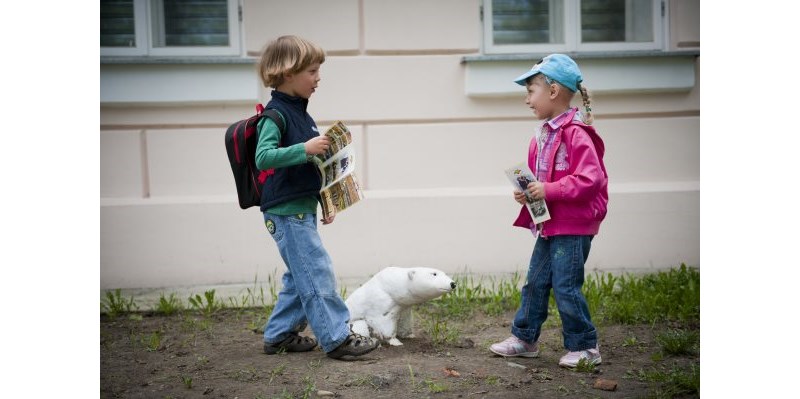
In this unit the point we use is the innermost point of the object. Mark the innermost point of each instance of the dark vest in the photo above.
(294, 181)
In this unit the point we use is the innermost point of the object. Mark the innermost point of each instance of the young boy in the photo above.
(567, 160)
(289, 199)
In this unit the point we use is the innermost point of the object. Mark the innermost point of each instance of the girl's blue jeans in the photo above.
(309, 293)
(557, 263)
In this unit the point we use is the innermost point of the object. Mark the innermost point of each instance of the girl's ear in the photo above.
(554, 90)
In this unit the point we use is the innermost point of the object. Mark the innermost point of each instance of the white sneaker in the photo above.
(571, 359)
(514, 346)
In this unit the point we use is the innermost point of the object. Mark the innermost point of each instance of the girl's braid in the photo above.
(587, 104)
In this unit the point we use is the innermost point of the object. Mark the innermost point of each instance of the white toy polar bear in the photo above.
(383, 304)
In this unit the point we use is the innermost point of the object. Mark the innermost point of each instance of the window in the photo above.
(169, 27)
(545, 26)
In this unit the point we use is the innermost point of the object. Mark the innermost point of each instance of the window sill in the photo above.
(581, 55)
(175, 60)
(617, 72)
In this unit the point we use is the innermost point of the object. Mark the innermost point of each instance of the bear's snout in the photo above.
(453, 284)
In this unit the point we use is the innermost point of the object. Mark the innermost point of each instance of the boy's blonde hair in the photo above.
(586, 116)
(287, 54)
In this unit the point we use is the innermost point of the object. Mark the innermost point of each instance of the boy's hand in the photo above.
(519, 196)
(329, 220)
(536, 189)
(317, 145)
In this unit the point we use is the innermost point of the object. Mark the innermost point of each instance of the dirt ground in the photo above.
(220, 356)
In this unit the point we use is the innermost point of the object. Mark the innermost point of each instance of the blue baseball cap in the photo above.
(558, 67)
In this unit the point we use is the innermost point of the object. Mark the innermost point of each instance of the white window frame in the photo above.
(144, 13)
(572, 34)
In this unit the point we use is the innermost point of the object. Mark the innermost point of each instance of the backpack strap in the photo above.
(276, 117)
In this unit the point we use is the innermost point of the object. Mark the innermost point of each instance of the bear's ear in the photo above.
(411, 274)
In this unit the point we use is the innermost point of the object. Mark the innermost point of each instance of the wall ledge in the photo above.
(629, 72)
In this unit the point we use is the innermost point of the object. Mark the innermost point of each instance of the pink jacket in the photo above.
(576, 190)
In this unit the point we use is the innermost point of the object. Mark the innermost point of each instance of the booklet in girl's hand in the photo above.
(520, 175)
(340, 189)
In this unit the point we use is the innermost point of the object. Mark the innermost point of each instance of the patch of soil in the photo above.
(191, 356)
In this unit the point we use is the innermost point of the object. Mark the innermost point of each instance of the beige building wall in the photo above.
(433, 133)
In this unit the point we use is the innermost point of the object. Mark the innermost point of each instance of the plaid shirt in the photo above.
(544, 142)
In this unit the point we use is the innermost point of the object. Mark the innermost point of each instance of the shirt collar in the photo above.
(559, 120)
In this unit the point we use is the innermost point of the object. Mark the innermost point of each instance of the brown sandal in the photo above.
(353, 345)
(292, 343)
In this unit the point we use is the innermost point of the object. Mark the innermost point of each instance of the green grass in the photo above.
(207, 307)
(679, 342)
(115, 305)
(672, 382)
(672, 295)
(187, 381)
(169, 306)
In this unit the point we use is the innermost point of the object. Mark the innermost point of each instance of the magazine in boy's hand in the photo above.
(340, 189)
(520, 175)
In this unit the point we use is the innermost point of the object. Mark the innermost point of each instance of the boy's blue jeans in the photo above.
(309, 286)
(557, 263)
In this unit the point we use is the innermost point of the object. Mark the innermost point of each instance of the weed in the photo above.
(278, 370)
(585, 366)
(153, 341)
(257, 322)
(285, 395)
(435, 387)
(492, 380)
(439, 331)
(314, 365)
(168, 306)
(114, 305)
(308, 387)
(343, 290)
(187, 381)
(247, 375)
(630, 341)
(679, 342)
(207, 307)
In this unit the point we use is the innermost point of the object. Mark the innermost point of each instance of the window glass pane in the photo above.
(117, 28)
(527, 21)
(191, 23)
(616, 21)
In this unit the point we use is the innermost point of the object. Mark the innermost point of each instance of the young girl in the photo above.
(289, 202)
(567, 159)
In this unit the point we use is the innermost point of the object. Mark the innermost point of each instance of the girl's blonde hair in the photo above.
(586, 116)
(287, 54)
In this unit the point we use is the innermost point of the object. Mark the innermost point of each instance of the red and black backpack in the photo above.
(241, 140)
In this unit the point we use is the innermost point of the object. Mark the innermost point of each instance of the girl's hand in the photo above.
(536, 189)
(519, 196)
(317, 145)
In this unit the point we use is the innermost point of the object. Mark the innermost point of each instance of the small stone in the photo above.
(606, 385)
(325, 394)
